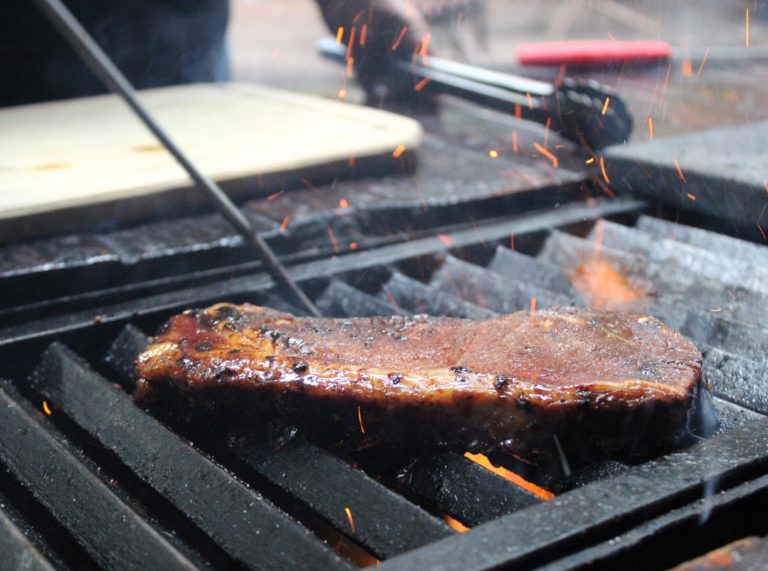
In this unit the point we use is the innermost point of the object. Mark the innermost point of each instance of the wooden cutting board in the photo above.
(61, 161)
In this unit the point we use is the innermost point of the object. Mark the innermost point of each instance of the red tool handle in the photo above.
(592, 52)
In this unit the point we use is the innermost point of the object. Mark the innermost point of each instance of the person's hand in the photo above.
(380, 33)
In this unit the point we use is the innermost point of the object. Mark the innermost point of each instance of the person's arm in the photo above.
(383, 30)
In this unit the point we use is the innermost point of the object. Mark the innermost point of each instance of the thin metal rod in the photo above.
(103, 67)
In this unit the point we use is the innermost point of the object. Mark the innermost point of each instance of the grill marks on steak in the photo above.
(608, 383)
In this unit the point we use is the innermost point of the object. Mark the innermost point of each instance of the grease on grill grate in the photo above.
(237, 500)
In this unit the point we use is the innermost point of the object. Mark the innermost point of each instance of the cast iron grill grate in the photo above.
(99, 483)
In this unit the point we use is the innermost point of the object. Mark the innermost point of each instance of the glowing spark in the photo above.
(530, 100)
(46, 408)
(687, 67)
(762, 232)
(691, 196)
(547, 154)
(533, 307)
(398, 151)
(602, 169)
(679, 171)
(360, 419)
(421, 84)
(424, 49)
(515, 144)
(605, 106)
(547, 125)
(747, 25)
(332, 238)
(363, 34)
(339, 34)
(455, 524)
(512, 242)
(342, 93)
(650, 127)
(351, 521)
(483, 461)
(445, 239)
(344, 203)
(703, 61)
(351, 42)
(518, 111)
(284, 224)
(399, 39)
(353, 246)
(493, 153)
(590, 160)
(350, 65)
(272, 197)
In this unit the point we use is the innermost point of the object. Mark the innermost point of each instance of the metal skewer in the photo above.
(101, 65)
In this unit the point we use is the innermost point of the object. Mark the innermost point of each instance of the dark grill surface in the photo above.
(90, 480)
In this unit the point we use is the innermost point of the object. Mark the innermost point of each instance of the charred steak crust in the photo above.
(604, 382)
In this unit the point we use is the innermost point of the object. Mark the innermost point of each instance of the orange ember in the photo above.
(605, 286)
(483, 461)
(351, 520)
(398, 151)
(46, 408)
(547, 154)
(455, 524)
(360, 419)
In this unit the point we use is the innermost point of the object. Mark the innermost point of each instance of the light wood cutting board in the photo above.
(61, 161)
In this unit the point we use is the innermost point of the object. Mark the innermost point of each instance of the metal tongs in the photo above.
(580, 110)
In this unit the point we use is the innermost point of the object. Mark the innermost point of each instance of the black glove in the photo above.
(382, 32)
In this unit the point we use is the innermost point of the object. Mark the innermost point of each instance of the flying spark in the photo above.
(650, 128)
(547, 154)
(747, 26)
(339, 34)
(493, 153)
(605, 106)
(351, 520)
(679, 171)
(46, 408)
(360, 419)
(400, 37)
(398, 151)
(284, 224)
(602, 169)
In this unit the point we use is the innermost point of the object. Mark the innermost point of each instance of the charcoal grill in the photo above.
(92, 481)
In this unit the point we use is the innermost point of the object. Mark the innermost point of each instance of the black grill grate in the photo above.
(143, 491)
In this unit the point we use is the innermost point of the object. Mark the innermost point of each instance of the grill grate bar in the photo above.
(463, 489)
(665, 541)
(704, 239)
(16, 551)
(516, 266)
(67, 488)
(412, 296)
(600, 511)
(490, 290)
(384, 522)
(209, 496)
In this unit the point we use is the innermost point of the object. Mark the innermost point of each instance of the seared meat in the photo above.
(603, 382)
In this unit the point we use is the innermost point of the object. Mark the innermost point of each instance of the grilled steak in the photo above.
(603, 382)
